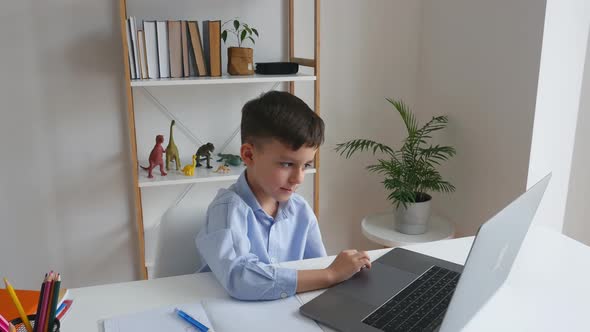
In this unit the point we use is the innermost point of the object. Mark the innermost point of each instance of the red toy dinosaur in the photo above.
(156, 157)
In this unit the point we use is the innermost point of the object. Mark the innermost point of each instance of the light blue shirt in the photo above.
(240, 241)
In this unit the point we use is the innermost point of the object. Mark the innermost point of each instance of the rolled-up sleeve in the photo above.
(225, 247)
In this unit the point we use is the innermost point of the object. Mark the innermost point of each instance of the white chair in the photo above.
(176, 252)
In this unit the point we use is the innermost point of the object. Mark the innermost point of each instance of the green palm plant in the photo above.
(410, 172)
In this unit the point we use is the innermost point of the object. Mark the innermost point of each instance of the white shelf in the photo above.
(202, 174)
(224, 79)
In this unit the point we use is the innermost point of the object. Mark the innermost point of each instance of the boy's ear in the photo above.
(247, 153)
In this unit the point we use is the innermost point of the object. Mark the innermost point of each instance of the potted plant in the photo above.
(240, 60)
(410, 172)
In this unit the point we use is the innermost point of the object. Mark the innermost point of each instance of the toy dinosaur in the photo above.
(189, 170)
(155, 158)
(222, 169)
(172, 151)
(230, 159)
(204, 152)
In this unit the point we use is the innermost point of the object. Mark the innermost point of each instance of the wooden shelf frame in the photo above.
(130, 84)
(315, 64)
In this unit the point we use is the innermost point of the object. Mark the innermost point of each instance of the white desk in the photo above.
(535, 300)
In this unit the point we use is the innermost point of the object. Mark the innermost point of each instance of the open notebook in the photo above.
(220, 315)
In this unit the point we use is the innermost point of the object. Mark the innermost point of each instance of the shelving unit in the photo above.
(201, 175)
(224, 79)
(140, 179)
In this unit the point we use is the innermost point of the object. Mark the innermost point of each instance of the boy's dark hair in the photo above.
(283, 116)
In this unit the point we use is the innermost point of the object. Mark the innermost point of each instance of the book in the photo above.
(214, 313)
(151, 49)
(133, 28)
(130, 51)
(163, 56)
(192, 65)
(175, 49)
(215, 48)
(206, 52)
(27, 298)
(197, 49)
(143, 69)
(184, 41)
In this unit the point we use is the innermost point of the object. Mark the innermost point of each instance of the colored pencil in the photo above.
(39, 302)
(41, 320)
(64, 307)
(11, 328)
(19, 307)
(55, 298)
(3, 324)
(49, 301)
(60, 308)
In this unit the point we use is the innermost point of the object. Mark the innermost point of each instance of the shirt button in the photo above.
(283, 295)
(272, 260)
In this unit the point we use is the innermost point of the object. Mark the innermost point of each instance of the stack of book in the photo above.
(173, 49)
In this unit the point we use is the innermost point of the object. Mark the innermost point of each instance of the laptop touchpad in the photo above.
(377, 285)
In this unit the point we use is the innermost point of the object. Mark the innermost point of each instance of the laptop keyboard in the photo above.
(420, 306)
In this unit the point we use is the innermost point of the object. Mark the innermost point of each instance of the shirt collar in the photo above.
(246, 193)
(243, 189)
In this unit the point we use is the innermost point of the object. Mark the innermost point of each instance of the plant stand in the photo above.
(380, 229)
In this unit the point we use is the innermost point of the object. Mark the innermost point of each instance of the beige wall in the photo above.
(479, 65)
(369, 52)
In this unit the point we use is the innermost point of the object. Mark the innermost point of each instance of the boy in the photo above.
(259, 220)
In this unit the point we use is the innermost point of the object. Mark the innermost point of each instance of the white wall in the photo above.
(576, 223)
(64, 188)
(558, 101)
(479, 65)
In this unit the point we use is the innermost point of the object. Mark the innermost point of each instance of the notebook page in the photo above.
(160, 319)
(261, 316)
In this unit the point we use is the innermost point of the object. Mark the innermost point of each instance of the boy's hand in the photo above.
(347, 264)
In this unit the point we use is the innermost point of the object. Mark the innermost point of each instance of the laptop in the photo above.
(408, 291)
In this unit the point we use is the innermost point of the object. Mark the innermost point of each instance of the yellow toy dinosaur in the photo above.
(172, 151)
(189, 170)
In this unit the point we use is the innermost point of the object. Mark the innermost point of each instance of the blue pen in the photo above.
(191, 320)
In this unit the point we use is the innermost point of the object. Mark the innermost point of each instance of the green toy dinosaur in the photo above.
(204, 153)
(172, 151)
(230, 159)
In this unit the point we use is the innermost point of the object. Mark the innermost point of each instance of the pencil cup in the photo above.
(20, 327)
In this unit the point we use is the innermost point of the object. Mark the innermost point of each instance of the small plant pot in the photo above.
(240, 61)
(414, 218)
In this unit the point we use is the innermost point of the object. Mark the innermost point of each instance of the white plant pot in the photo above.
(414, 218)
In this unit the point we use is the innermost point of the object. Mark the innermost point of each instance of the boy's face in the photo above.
(275, 170)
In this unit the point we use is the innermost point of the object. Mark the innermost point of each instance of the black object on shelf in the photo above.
(276, 68)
